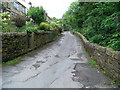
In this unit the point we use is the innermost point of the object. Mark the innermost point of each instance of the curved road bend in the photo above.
(63, 64)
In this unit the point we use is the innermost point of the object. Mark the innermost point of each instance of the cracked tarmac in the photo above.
(62, 64)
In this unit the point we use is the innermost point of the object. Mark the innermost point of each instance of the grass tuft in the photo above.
(92, 63)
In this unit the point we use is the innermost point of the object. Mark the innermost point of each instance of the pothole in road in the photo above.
(40, 62)
(47, 57)
(75, 79)
(75, 56)
(57, 56)
(84, 74)
(59, 44)
(37, 64)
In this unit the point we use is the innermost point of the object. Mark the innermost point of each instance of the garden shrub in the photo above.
(28, 24)
(8, 28)
(32, 29)
(53, 25)
(44, 26)
(29, 27)
(20, 21)
(5, 15)
(6, 23)
(59, 25)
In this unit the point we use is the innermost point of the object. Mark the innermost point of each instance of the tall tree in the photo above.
(37, 14)
(98, 21)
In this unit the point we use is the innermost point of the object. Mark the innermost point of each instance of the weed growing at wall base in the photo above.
(12, 62)
(93, 64)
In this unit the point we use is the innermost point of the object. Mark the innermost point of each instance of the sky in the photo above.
(54, 8)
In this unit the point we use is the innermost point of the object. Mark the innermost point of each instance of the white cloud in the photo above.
(54, 8)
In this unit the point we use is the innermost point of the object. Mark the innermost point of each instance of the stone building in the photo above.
(15, 7)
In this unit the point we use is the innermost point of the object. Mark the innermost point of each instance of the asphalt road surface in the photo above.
(61, 64)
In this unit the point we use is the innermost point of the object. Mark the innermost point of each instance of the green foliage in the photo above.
(99, 22)
(56, 23)
(6, 23)
(49, 26)
(20, 21)
(5, 15)
(12, 62)
(8, 28)
(44, 26)
(92, 63)
(54, 19)
(115, 44)
(97, 38)
(30, 24)
(37, 14)
(115, 41)
(30, 27)
(112, 23)
(53, 25)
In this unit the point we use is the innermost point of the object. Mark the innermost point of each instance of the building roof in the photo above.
(22, 2)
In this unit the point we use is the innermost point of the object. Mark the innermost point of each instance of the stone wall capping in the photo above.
(117, 55)
(82, 37)
(110, 52)
(0, 34)
(91, 45)
(14, 34)
(0, 50)
(100, 48)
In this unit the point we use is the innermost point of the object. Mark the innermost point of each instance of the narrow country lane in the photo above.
(62, 64)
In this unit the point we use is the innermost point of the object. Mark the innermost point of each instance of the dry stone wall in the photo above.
(17, 43)
(106, 57)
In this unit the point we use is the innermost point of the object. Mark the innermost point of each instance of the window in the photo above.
(23, 10)
(8, 5)
(0, 1)
(16, 6)
(7, 0)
